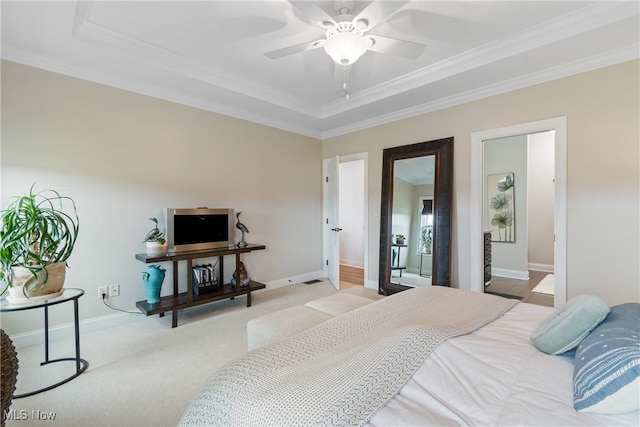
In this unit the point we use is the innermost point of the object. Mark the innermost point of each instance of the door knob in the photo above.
(336, 229)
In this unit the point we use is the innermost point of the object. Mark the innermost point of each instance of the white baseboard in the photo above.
(510, 274)
(66, 330)
(296, 279)
(371, 284)
(352, 263)
(36, 337)
(547, 268)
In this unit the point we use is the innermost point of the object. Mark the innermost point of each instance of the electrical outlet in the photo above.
(103, 290)
(114, 290)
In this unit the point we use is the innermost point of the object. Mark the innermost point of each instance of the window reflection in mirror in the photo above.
(412, 221)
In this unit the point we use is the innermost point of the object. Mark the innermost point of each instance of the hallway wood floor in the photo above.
(352, 275)
(521, 288)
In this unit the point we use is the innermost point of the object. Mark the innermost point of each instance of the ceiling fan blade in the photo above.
(378, 11)
(291, 50)
(403, 48)
(313, 11)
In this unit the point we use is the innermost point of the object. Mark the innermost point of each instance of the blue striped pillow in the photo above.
(606, 377)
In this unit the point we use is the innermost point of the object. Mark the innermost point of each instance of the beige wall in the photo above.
(403, 207)
(425, 190)
(603, 119)
(124, 157)
(503, 155)
(541, 200)
(351, 215)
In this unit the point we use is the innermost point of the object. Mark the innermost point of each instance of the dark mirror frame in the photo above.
(442, 149)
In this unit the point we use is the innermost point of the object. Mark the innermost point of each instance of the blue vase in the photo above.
(153, 278)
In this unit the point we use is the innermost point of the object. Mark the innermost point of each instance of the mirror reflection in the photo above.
(412, 220)
(415, 216)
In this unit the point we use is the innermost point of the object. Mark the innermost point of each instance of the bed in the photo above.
(427, 356)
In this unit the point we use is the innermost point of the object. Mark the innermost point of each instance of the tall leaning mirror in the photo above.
(415, 216)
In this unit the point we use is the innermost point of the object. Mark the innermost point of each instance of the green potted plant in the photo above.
(37, 234)
(155, 240)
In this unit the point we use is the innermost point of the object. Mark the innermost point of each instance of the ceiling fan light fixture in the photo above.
(346, 47)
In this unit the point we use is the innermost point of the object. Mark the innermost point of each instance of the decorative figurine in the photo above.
(241, 276)
(155, 240)
(240, 226)
(153, 233)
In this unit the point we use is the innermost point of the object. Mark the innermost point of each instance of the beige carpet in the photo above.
(411, 279)
(145, 374)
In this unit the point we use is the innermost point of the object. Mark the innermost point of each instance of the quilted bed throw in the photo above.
(345, 369)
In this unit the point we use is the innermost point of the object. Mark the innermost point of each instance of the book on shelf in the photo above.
(205, 278)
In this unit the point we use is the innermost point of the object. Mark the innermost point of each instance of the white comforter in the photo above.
(493, 377)
(343, 370)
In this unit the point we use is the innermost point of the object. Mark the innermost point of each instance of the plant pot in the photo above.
(37, 289)
(156, 249)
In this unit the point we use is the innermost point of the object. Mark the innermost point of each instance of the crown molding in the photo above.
(154, 91)
(587, 18)
(86, 30)
(624, 54)
(560, 28)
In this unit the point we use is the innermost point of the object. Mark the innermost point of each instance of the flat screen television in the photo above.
(199, 229)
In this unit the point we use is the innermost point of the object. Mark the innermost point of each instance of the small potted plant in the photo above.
(400, 239)
(155, 240)
(37, 234)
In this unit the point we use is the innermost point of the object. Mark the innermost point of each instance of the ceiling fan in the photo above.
(347, 37)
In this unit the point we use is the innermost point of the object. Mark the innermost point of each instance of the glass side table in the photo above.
(69, 294)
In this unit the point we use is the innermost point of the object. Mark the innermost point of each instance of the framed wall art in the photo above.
(500, 191)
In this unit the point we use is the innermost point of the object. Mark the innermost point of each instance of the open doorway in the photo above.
(559, 125)
(352, 221)
(518, 215)
(345, 221)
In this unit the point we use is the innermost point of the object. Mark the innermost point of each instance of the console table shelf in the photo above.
(181, 300)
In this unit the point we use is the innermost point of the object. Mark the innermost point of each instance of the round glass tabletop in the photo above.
(67, 294)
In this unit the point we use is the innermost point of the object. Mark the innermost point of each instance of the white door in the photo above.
(331, 220)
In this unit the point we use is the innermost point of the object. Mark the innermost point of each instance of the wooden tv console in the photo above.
(181, 300)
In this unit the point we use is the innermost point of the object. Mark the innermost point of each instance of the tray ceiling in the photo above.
(210, 54)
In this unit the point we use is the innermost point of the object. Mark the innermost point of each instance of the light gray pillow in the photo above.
(564, 329)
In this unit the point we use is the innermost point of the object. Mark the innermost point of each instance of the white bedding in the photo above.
(341, 371)
(494, 377)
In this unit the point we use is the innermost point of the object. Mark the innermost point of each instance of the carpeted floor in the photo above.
(411, 279)
(146, 373)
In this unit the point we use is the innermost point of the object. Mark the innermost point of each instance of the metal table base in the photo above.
(69, 294)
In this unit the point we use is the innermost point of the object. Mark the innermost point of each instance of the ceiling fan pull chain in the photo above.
(344, 84)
